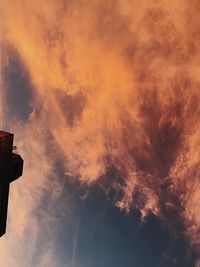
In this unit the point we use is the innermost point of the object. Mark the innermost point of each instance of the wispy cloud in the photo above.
(115, 84)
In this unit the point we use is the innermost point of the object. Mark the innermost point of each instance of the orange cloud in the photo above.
(116, 83)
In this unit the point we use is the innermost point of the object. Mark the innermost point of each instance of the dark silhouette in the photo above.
(11, 167)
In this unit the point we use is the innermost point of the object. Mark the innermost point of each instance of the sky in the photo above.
(103, 99)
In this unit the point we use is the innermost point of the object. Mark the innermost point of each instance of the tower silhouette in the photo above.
(11, 168)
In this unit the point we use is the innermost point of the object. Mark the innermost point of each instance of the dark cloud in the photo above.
(71, 106)
(17, 86)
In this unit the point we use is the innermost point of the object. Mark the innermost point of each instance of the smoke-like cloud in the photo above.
(116, 86)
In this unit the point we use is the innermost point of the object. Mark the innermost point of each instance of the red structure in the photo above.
(11, 168)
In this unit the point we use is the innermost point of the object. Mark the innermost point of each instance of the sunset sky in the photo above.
(103, 99)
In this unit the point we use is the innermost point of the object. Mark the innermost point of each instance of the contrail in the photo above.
(75, 242)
